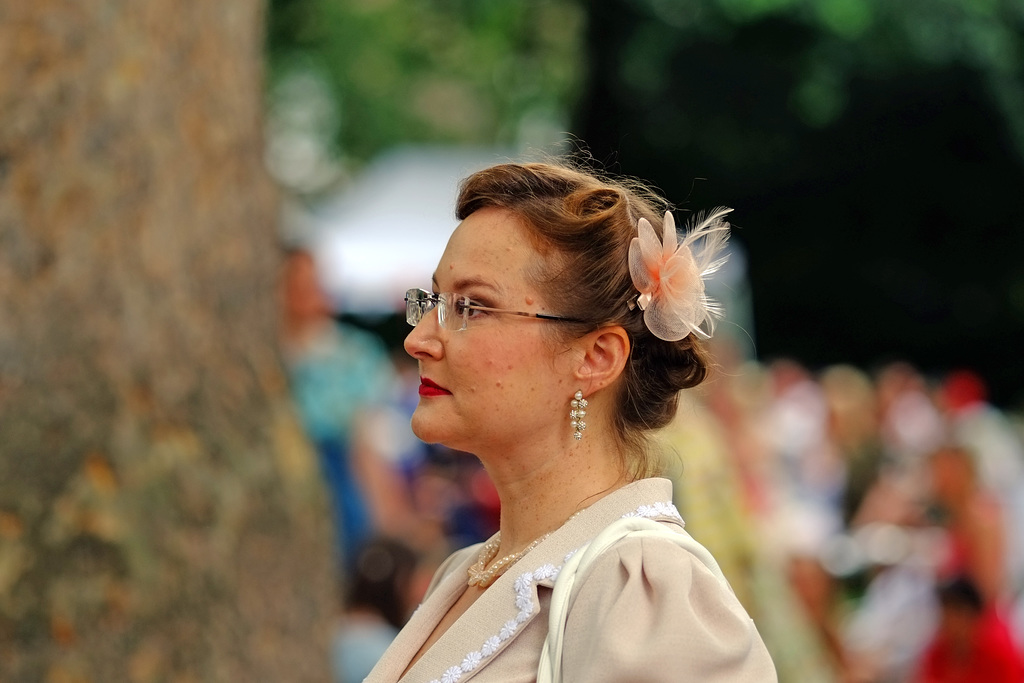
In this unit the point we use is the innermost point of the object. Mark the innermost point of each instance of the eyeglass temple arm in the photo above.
(525, 314)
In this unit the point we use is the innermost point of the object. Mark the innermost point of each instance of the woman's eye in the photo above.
(467, 307)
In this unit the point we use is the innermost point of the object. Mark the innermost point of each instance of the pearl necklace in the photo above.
(482, 575)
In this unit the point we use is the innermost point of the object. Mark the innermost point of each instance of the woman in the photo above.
(560, 332)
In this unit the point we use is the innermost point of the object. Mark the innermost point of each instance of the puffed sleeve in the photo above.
(649, 611)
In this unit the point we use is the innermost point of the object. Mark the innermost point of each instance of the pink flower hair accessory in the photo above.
(670, 277)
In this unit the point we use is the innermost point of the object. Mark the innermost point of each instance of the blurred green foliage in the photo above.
(480, 71)
(837, 40)
(461, 71)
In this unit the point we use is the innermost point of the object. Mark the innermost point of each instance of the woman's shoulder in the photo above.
(658, 592)
(644, 550)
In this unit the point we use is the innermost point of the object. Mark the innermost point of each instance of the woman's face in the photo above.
(504, 380)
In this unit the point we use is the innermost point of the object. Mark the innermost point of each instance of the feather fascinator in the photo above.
(670, 275)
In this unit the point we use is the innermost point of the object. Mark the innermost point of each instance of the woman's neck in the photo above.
(537, 500)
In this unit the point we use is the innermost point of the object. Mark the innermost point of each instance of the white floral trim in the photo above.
(656, 510)
(524, 601)
(523, 587)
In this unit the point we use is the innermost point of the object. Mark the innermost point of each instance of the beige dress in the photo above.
(647, 610)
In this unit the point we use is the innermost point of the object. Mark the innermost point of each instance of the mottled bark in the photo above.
(161, 517)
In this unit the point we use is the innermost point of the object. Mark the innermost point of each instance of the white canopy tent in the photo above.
(386, 232)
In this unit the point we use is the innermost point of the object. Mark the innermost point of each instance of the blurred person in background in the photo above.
(345, 388)
(970, 646)
(379, 598)
(811, 473)
(708, 490)
(725, 478)
(972, 642)
(971, 516)
(853, 431)
(887, 548)
(911, 425)
(810, 481)
(998, 451)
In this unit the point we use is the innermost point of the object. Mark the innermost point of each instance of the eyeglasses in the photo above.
(454, 311)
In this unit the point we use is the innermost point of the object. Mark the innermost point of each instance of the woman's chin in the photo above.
(428, 430)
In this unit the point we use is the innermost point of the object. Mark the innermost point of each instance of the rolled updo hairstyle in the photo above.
(582, 224)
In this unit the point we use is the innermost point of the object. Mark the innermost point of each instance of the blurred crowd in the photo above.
(871, 522)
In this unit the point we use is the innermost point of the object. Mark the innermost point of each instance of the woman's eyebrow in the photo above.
(476, 282)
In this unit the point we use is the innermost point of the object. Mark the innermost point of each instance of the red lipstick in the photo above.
(429, 388)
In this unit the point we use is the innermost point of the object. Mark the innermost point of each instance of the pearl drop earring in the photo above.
(576, 415)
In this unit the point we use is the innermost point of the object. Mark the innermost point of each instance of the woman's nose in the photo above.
(424, 340)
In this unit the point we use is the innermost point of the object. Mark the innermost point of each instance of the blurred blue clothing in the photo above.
(336, 375)
(356, 647)
(341, 371)
(353, 524)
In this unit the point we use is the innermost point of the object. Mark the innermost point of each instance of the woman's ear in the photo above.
(605, 352)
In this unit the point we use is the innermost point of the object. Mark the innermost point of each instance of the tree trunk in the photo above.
(161, 517)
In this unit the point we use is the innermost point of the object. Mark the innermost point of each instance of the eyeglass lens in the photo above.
(416, 304)
(452, 309)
